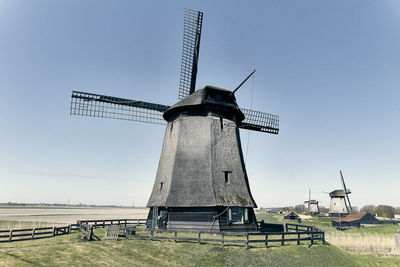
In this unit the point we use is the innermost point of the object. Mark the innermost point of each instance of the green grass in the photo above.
(268, 218)
(386, 229)
(71, 250)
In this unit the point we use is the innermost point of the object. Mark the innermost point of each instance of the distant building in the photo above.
(357, 220)
(292, 215)
(397, 217)
(273, 211)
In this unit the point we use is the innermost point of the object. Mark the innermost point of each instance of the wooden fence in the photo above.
(35, 233)
(294, 233)
(299, 228)
(104, 223)
(244, 238)
(46, 232)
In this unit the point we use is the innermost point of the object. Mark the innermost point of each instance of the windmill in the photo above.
(312, 205)
(339, 206)
(201, 181)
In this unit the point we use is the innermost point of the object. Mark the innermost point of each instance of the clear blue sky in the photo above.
(329, 69)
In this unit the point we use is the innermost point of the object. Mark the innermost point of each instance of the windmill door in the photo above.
(155, 216)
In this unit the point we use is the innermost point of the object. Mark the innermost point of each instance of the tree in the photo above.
(300, 208)
(397, 210)
(286, 208)
(323, 209)
(385, 211)
(369, 208)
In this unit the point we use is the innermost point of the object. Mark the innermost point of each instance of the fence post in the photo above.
(222, 239)
(297, 227)
(54, 231)
(125, 222)
(286, 227)
(33, 233)
(323, 238)
(198, 238)
(312, 239)
(69, 228)
(104, 223)
(90, 232)
(266, 240)
(298, 238)
(151, 234)
(175, 236)
(247, 241)
(10, 236)
(283, 239)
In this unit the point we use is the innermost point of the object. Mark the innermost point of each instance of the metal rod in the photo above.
(237, 88)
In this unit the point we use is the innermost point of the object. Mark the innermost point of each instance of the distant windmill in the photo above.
(312, 205)
(201, 181)
(340, 203)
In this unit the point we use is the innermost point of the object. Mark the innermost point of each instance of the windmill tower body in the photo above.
(338, 207)
(201, 181)
(313, 207)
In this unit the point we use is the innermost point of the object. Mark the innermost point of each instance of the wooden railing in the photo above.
(244, 238)
(35, 233)
(298, 227)
(104, 223)
(294, 233)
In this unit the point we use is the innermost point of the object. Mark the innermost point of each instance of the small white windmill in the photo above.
(312, 204)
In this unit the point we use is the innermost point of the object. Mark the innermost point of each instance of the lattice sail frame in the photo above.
(260, 121)
(190, 52)
(101, 106)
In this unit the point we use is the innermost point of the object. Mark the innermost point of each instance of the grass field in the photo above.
(368, 240)
(71, 250)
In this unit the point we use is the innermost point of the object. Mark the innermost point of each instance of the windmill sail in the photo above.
(347, 192)
(190, 52)
(101, 106)
(260, 121)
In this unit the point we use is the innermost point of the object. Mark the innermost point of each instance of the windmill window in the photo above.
(238, 215)
(161, 185)
(226, 176)
(246, 215)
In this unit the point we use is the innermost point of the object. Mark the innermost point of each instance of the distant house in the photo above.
(292, 215)
(273, 211)
(357, 220)
(397, 217)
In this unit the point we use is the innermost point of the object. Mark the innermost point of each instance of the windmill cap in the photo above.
(205, 101)
(312, 201)
(337, 193)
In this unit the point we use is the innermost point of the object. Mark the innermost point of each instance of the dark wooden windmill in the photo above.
(201, 181)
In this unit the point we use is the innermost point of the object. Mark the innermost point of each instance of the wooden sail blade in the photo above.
(190, 52)
(101, 106)
(260, 121)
